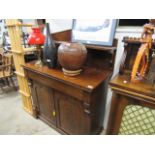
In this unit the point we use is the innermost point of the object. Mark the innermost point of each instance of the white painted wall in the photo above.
(2, 29)
(120, 33)
(57, 25)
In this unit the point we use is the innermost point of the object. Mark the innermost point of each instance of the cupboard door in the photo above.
(71, 116)
(45, 103)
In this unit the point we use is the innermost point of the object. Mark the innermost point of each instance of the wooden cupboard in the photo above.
(132, 109)
(133, 104)
(72, 105)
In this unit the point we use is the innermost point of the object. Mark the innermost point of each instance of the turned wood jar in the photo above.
(72, 57)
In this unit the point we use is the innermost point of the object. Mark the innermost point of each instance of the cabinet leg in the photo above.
(35, 114)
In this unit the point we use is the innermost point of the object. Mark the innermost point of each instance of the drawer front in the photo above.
(60, 86)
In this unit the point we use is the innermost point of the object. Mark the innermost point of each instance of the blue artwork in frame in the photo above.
(96, 32)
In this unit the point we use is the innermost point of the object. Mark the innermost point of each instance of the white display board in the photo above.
(98, 32)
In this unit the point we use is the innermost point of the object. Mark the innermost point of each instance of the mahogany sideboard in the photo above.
(71, 105)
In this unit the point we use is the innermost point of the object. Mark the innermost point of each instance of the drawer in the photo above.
(59, 86)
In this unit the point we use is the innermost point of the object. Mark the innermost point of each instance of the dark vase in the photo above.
(50, 51)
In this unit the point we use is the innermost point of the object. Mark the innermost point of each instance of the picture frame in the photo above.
(96, 32)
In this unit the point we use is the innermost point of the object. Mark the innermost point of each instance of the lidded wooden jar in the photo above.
(72, 57)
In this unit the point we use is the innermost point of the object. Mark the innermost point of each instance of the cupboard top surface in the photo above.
(123, 82)
(88, 80)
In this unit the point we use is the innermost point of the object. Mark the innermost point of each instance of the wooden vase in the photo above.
(72, 57)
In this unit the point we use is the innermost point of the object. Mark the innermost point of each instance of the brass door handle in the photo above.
(53, 113)
(87, 111)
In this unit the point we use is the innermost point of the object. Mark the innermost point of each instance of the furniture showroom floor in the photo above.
(15, 121)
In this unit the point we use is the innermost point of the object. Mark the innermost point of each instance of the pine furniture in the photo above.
(18, 50)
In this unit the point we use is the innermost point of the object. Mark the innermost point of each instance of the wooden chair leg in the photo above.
(7, 81)
(13, 84)
(1, 84)
(1, 87)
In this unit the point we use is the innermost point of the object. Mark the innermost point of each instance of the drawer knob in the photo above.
(87, 111)
(53, 113)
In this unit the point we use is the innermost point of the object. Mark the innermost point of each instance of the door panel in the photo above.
(71, 117)
(45, 103)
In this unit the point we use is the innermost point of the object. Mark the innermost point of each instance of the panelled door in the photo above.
(44, 103)
(71, 117)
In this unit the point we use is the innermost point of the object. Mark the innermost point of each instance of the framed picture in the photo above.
(97, 32)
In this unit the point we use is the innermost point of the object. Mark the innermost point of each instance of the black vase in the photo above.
(50, 51)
